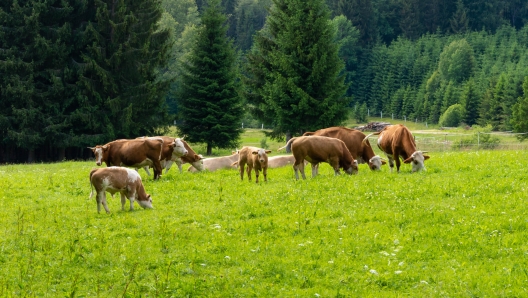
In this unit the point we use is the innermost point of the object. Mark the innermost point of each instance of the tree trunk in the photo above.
(209, 149)
(62, 153)
(31, 156)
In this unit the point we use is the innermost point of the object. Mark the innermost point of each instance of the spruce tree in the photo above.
(519, 120)
(294, 74)
(120, 70)
(470, 101)
(210, 109)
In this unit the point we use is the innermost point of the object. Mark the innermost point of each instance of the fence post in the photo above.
(368, 112)
(478, 140)
(381, 114)
(242, 124)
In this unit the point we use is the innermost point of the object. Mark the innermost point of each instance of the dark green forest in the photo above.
(78, 73)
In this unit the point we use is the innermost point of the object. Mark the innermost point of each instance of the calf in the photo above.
(397, 141)
(118, 179)
(255, 158)
(317, 149)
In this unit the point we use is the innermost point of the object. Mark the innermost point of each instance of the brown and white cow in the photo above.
(317, 149)
(397, 141)
(173, 150)
(255, 158)
(361, 151)
(118, 179)
(135, 153)
(216, 163)
(196, 160)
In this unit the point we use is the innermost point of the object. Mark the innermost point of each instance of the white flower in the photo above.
(398, 272)
(373, 271)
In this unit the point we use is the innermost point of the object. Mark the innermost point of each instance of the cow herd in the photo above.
(341, 147)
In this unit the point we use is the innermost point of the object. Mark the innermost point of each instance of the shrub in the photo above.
(452, 116)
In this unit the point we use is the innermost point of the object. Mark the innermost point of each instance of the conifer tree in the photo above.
(519, 120)
(210, 109)
(120, 69)
(470, 101)
(294, 74)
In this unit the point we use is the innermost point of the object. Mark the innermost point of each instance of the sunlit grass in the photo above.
(459, 229)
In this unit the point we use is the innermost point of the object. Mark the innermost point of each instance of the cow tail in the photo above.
(287, 144)
(91, 184)
(372, 134)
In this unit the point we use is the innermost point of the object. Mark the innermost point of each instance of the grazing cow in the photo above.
(397, 141)
(196, 160)
(216, 163)
(361, 151)
(255, 158)
(317, 149)
(118, 179)
(173, 150)
(135, 153)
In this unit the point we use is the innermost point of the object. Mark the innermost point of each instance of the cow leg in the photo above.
(131, 194)
(296, 169)
(157, 169)
(315, 169)
(123, 201)
(103, 201)
(256, 175)
(98, 199)
(241, 167)
(391, 162)
(179, 164)
(398, 163)
(249, 168)
(265, 172)
(301, 169)
(146, 170)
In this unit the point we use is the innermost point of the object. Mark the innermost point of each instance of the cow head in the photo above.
(146, 204)
(179, 148)
(353, 168)
(417, 159)
(262, 155)
(198, 162)
(376, 162)
(100, 153)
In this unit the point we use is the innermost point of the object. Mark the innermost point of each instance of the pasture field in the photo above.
(457, 230)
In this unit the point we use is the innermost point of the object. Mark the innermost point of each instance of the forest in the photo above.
(84, 72)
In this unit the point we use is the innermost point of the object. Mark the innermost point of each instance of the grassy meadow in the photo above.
(457, 230)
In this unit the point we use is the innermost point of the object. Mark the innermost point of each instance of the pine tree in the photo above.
(294, 74)
(519, 119)
(210, 109)
(470, 101)
(120, 69)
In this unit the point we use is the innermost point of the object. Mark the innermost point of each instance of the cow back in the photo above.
(397, 140)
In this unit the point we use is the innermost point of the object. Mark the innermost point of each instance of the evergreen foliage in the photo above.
(519, 120)
(210, 109)
(294, 74)
(470, 101)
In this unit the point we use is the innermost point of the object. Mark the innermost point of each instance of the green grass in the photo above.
(457, 230)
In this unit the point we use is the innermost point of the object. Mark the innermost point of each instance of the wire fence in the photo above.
(440, 141)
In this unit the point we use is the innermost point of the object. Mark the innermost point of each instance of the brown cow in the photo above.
(361, 151)
(255, 158)
(397, 141)
(317, 149)
(216, 163)
(173, 150)
(118, 179)
(135, 153)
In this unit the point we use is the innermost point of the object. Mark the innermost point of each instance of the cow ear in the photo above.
(254, 152)
(105, 147)
(268, 151)
(408, 160)
(426, 157)
(383, 162)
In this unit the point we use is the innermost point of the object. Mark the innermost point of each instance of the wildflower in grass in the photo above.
(398, 272)
(372, 271)
(227, 257)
